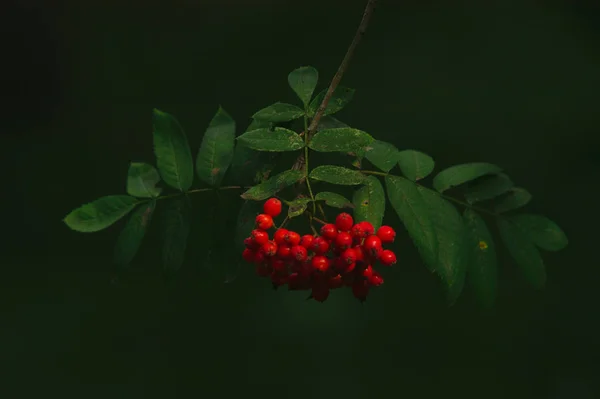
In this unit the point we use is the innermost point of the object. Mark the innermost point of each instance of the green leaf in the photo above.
(340, 98)
(298, 206)
(340, 140)
(247, 162)
(415, 165)
(482, 270)
(337, 175)
(133, 233)
(277, 140)
(329, 122)
(515, 198)
(451, 235)
(303, 81)
(460, 174)
(216, 151)
(524, 252)
(369, 202)
(279, 112)
(246, 221)
(414, 213)
(382, 154)
(492, 187)
(172, 150)
(542, 231)
(100, 214)
(176, 233)
(334, 200)
(273, 185)
(142, 179)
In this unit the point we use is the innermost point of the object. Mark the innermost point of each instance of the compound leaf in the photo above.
(100, 213)
(337, 175)
(217, 148)
(369, 202)
(340, 98)
(276, 140)
(298, 206)
(460, 174)
(334, 200)
(279, 112)
(491, 187)
(133, 233)
(273, 185)
(382, 154)
(303, 81)
(542, 231)
(142, 179)
(340, 140)
(415, 165)
(516, 198)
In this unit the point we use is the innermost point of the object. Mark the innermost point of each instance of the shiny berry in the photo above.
(279, 236)
(375, 279)
(386, 234)
(367, 227)
(284, 251)
(368, 272)
(329, 231)
(320, 263)
(259, 257)
(343, 240)
(358, 232)
(259, 236)
(387, 257)
(269, 248)
(360, 253)
(272, 207)
(250, 243)
(335, 282)
(344, 222)
(372, 245)
(306, 241)
(299, 253)
(264, 222)
(278, 265)
(292, 238)
(248, 255)
(349, 256)
(319, 245)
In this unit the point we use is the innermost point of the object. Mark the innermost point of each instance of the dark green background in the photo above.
(513, 83)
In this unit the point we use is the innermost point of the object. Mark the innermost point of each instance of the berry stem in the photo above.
(319, 220)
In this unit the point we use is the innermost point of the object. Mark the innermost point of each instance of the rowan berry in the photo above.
(269, 248)
(358, 232)
(343, 240)
(272, 207)
(278, 265)
(376, 279)
(360, 253)
(386, 234)
(329, 231)
(292, 238)
(372, 245)
(387, 257)
(360, 290)
(368, 272)
(306, 241)
(320, 263)
(335, 282)
(344, 222)
(320, 293)
(279, 236)
(284, 251)
(250, 243)
(259, 257)
(367, 227)
(299, 253)
(248, 255)
(319, 245)
(349, 256)
(259, 236)
(264, 222)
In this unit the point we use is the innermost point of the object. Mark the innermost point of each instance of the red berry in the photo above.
(284, 251)
(360, 289)
(372, 245)
(269, 248)
(264, 222)
(386, 234)
(259, 257)
(292, 238)
(335, 282)
(349, 256)
(344, 222)
(279, 236)
(262, 270)
(320, 263)
(320, 293)
(306, 241)
(299, 253)
(277, 279)
(248, 255)
(343, 240)
(272, 207)
(358, 232)
(329, 231)
(367, 227)
(376, 279)
(278, 265)
(368, 272)
(387, 257)
(360, 254)
(319, 245)
(259, 236)
(250, 243)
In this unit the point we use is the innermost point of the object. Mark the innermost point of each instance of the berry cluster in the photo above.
(343, 255)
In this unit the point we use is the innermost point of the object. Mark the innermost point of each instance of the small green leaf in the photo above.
(451, 238)
(340, 140)
(172, 150)
(246, 221)
(133, 233)
(414, 213)
(369, 202)
(337, 175)
(176, 233)
(329, 122)
(273, 185)
(482, 270)
(415, 165)
(334, 200)
(340, 98)
(277, 140)
(303, 81)
(524, 252)
(491, 187)
(382, 154)
(515, 198)
(460, 174)
(142, 179)
(542, 231)
(259, 124)
(100, 214)
(216, 152)
(279, 112)
(297, 207)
